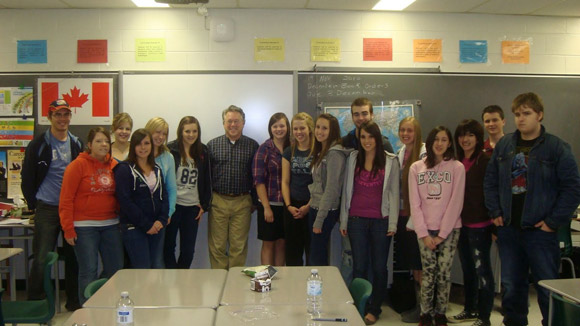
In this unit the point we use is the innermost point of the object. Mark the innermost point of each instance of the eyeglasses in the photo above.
(60, 115)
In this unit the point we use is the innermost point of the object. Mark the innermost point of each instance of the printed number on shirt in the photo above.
(189, 177)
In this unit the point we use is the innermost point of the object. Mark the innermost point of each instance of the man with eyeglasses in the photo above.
(45, 160)
(233, 194)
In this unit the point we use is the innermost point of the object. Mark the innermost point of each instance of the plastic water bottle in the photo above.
(125, 310)
(314, 293)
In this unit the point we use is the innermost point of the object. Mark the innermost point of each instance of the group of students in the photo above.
(433, 198)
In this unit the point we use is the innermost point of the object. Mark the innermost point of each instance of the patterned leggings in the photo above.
(436, 281)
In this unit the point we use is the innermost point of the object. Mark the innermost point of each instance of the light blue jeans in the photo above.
(91, 241)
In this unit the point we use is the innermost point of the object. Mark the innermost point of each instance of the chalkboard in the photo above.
(446, 99)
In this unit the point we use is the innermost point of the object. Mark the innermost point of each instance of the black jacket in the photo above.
(204, 173)
(36, 163)
(474, 210)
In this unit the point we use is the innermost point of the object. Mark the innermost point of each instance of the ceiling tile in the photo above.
(33, 4)
(100, 3)
(273, 4)
(342, 4)
(516, 7)
(444, 5)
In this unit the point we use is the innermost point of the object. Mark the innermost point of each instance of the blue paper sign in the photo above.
(32, 51)
(473, 51)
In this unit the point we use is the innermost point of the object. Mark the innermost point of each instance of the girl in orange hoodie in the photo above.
(88, 210)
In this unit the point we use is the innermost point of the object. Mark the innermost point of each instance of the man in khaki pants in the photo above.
(232, 205)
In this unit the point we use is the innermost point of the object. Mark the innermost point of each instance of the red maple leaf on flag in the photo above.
(76, 99)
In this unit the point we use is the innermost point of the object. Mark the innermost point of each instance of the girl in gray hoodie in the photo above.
(328, 161)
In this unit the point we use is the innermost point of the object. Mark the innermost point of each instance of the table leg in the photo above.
(550, 310)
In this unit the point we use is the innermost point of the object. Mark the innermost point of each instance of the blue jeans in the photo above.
(183, 220)
(473, 248)
(521, 251)
(319, 243)
(46, 230)
(368, 239)
(143, 248)
(91, 241)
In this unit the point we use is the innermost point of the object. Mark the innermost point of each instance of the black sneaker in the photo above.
(425, 320)
(440, 320)
(463, 317)
(480, 322)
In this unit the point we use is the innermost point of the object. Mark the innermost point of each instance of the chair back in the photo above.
(51, 258)
(361, 290)
(94, 286)
(564, 311)
(565, 238)
(1, 315)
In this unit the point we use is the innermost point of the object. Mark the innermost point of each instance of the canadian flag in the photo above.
(90, 100)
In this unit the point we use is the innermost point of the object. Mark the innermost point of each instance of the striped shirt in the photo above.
(231, 164)
(267, 170)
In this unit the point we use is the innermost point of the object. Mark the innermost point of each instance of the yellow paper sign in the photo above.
(269, 50)
(149, 49)
(515, 52)
(325, 49)
(427, 50)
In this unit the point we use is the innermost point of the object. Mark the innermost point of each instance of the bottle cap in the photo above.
(314, 271)
(124, 294)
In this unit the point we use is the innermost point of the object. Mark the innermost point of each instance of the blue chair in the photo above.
(564, 311)
(34, 311)
(361, 290)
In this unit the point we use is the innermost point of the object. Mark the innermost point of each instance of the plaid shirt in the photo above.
(267, 170)
(232, 164)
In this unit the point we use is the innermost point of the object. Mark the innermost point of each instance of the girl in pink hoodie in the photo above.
(436, 190)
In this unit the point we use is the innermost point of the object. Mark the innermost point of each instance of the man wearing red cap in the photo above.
(45, 160)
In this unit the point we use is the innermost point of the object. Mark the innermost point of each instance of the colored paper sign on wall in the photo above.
(16, 101)
(15, 158)
(16, 132)
(472, 51)
(515, 52)
(269, 50)
(149, 49)
(90, 99)
(427, 50)
(92, 51)
(33, 51)
(325, 49)
(377, 49)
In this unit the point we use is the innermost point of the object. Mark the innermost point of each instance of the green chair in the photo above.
(361, 290)
(564, 311)
(34, 311)
(1, 316)
(566, 248)
(94, 286)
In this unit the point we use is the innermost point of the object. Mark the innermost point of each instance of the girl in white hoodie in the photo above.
(436, 189)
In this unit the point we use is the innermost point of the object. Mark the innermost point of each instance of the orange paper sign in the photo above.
(515, 52)
(377, 49)
(427, 50)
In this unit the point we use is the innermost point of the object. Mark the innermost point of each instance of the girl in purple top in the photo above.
(475, 237)
(370, 210)
(267, 173)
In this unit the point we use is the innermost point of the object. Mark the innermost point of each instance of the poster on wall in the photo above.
(15, 158)
(386, 116)
(90, 99)
(3, 174)
(16, 101)
(15, 132)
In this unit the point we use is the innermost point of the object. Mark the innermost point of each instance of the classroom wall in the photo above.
(555, 41)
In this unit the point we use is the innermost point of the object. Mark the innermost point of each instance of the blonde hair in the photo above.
(415, 155)
(303, 116)
(155, 124)
(119, 119)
